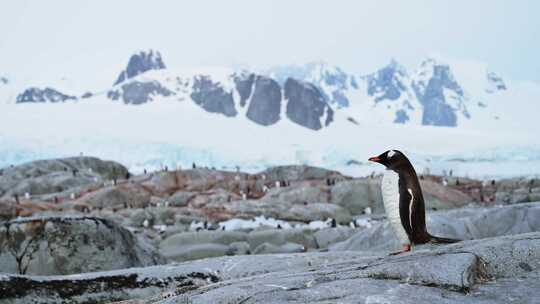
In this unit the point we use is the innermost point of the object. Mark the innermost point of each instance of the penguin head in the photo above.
(391, 159)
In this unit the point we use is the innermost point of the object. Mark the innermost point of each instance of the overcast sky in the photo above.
(86, 39)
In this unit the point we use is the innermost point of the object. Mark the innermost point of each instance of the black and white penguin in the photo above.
(404, 202)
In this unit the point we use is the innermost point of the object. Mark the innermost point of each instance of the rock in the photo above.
(279, 237)
(140, 63)
(122, 196)
(102, 287)
(265, 103)
(299, 173)
(438, 196)
(199, 237)
(48, 178)
(320, 212)
(66, 245)
(356, 195)
(139, 92)
(247, 209)
(239, 248)
(298, 194)
(43, 95)
(329, 236)
(212, 97)
(165, 216)
(267, 248)
(469, 223)
(180, 198)
(306, 105)
(195, 252)
(139, 216)
(493, 270)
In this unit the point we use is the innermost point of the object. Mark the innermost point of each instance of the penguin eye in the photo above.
(391, 153)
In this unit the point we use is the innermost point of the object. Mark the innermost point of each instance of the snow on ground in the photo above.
(178, 133)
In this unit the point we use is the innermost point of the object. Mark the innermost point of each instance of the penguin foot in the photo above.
(406, 248)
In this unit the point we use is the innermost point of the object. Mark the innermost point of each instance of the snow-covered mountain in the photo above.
(307, 95)
(315, 114)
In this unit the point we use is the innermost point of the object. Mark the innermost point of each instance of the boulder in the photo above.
(195, 252)
(66, 245)
(267, 248)
(357, 195)
(180, 198)
(279, 237)
(300, 193)
(329, 236)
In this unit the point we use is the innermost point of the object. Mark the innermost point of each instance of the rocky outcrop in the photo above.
(43, 95)
(139, 92)
(57, 177)
(306, 105)
(66, 245)
(140, 63)
(481, 271)
(212, 97)
(265, 103)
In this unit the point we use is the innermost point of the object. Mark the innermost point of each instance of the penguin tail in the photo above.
(441, 240)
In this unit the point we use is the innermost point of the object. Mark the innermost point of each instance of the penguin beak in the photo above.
(374, 159)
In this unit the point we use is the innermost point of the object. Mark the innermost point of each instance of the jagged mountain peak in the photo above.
(141, 62)
(388, 83)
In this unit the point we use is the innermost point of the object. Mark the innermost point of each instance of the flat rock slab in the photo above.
(480, 271)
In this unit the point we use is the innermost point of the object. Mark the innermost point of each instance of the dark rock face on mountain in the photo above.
(387, 82)
(212, 97)
(4, 80)
(495, 83)
(138, 92)
(306, 105)
(244, 84)
(43, 95)
(66, 245)
(265, 105)
(140, 63)
(437, 111)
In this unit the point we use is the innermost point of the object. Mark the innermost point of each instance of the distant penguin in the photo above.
(146, 223)
(333, 223)
(404, 202)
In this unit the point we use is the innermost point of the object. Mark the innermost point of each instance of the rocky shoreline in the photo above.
(83, 230)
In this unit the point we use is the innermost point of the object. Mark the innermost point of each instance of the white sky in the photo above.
(94, 39)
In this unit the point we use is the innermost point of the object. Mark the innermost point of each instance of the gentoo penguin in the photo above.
(404, 202)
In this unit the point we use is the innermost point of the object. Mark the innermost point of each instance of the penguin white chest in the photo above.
(390, 193)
